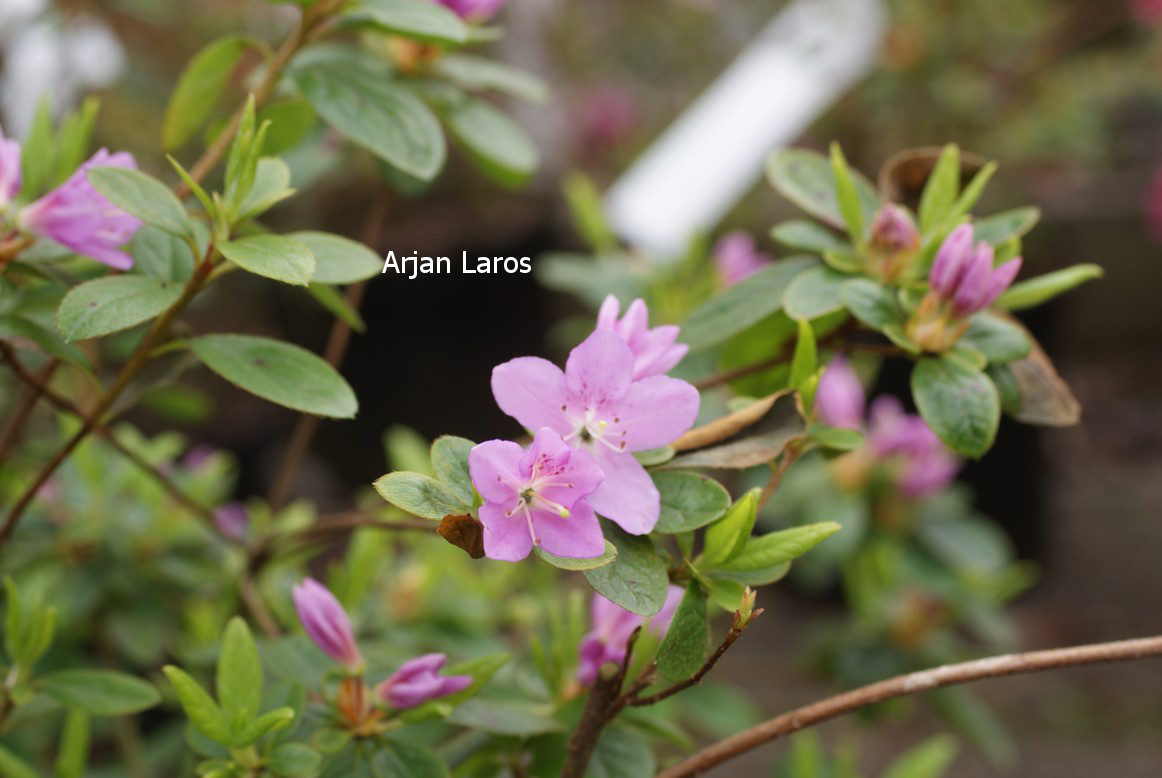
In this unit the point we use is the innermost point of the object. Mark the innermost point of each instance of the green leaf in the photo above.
(688, 501)
(727, 537)
(503, 717)
(374, 111)
(776, 548)
(12, 766)
(73, 137)
(497, 144)
(272, 256)
(836, 438)
(971, 194)
(339, 260)
(683, 649)
(1005, 226)
(961, 405)
(449, 456)
(941, 190)
(476, 73)
(420, 495)
(279, 372)
(814, 292)
(239, 678)
(143, 196)
(481, 669)
(636, 580)
(73, 753)
(808, 236)
(1000, 340)
(37, 151)
(742, 305)
(337, 304)
(1026, 294)
(807, 179)
(871, 303)
(198, 89)
(291, 121)
(571, 563)
(113, 303)
(847, 196)
(161, 255)
(22, 333)
(418, 19)
(100, 692)
(294, 760)
(271, 186)
(588, 213)
(200, 708)
(621, 754)
(272, 721)
(804, 360)
(930, 759)
(726, 593)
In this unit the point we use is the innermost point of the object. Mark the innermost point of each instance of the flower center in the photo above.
(590, 429)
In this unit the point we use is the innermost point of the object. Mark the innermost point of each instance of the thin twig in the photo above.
(257, 606)
(24, 406)
(66, 406)
(912, 683)
(790, 453)
(736, 630)
(594, 719)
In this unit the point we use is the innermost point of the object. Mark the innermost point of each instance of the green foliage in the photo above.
(272, 256)
(338, 260)
(683, 649)
(99, 692)
(1035, 291)
(143, 196)
(414, 18)
(688, 501)
(199, 88)
(278, 372)
(960, 404)
(107, 305)
(636, 580)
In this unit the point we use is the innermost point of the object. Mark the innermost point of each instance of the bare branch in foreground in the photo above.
(912, 683)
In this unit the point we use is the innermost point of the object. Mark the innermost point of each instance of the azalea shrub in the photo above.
(550, 601)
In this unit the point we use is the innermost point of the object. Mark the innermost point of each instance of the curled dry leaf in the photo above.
(463, 532)
(1045, 398)
(903, 175)
(749, 437)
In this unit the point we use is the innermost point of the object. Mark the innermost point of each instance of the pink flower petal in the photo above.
(654, 412)
(627, 496)
(598, 372)
(506, 538)
(532, 391)
(578, 536)
(495, 469)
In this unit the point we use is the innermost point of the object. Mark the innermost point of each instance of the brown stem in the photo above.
(257, 606)
(736, 630)
(63, 404)
(593, 721)
(6, 707)
(790, 454)
(912, 683)
(337, 343)
(24, 405)
(93, 419)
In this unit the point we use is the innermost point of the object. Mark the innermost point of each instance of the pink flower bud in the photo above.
(78, 216)
(326, 623)
(839, 399)
(951, 260)
(9, 170)
(418, 680)
(893, 231)
(736, 258)
(474, 10)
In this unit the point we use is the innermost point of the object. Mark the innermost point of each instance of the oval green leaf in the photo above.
(143, 196)
(688, 501)
(272, 256)
(961, 405)
(279, 372)
(339, 260)
(114, 303)
(100, 692)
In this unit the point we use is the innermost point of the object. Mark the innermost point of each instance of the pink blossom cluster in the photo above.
(611, 400)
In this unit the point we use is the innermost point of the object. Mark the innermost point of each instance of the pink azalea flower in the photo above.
(963, 274)
(326, 623)
(924, 465)
(595, 405)
(474, 10)
(736, 258)
(612, 626)
(536, 498)
(418, 680)
(839, 398)
(655, 350)
(9, 170)
(78, 216)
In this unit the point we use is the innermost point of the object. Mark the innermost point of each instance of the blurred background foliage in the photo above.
(1067, 94)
